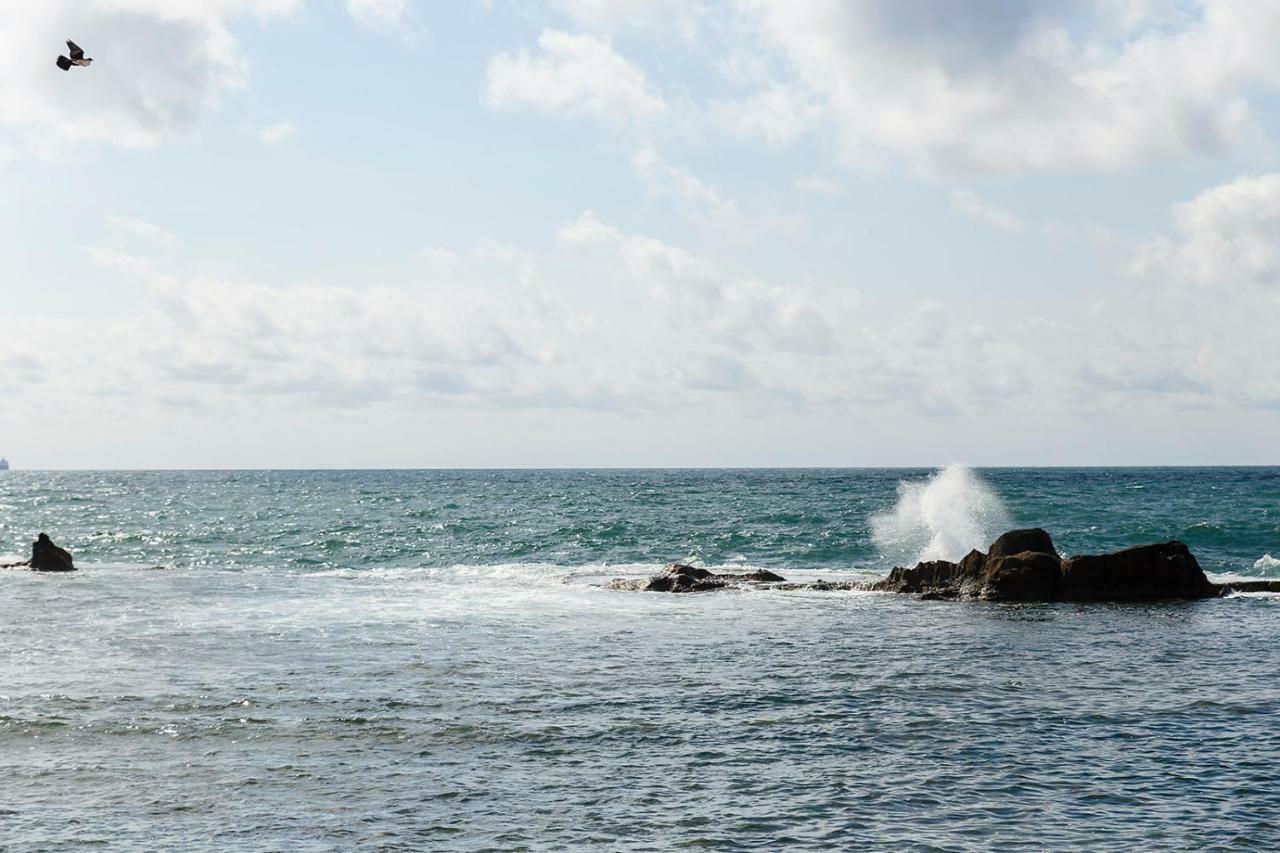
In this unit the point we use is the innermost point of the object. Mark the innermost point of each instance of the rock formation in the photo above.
(678, 577)
(48, 557)
(1022, 565)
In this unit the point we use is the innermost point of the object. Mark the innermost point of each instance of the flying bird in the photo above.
(77, 57)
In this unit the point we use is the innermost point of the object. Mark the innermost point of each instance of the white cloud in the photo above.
(777, 115)
(108, 258)
(159, 69)
(1202, 321)
(627, 322)
(1227, 236)
(139, 228)
(207, 340)
(744, 313)
(278, 132)
(1029, 84)
(1186, 346)
(575, 75)
(613, 15)
(379, 14)
(820, 184)
(621, 320)
(586, 230)
(705, 202)
(705, 205)
(952, 88)
(441, 256)
(966, 202)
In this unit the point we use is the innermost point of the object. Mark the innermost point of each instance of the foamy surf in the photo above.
(548, 575)
(940, 518)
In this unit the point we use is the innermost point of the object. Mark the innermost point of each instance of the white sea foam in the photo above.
(940, 518)
(1266, 563)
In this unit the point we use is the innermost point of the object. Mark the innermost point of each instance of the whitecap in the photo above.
(1266, 563)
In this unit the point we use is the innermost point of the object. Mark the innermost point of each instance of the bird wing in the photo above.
(76, 51)
(64, 63)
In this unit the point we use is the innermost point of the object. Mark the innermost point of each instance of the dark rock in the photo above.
(935, 574)
(686, 571)
(1024, 576)
(1023, 565)
(1166, 570)
(679, 577)
(760, 576)
(48, 557)
(1017, 541)
(1249, 586)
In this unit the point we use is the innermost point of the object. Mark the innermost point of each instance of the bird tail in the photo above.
(64, 63)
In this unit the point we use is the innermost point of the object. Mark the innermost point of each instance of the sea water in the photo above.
(424, 660)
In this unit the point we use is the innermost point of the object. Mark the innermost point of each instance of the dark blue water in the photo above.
(421, 661)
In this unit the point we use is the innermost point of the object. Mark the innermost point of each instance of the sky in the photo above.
(614, 233)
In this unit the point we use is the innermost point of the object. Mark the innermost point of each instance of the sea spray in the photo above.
(940, 518)
(1266, 564)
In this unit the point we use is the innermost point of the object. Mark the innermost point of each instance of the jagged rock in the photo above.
(48, 557)
(678, 577)
(1024, 576)
(681, 578)
(932, 575)
(1023, 565)
(758, 576)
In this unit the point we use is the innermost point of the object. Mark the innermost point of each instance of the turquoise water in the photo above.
(422, 661)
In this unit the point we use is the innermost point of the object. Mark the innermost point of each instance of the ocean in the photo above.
(425, 660)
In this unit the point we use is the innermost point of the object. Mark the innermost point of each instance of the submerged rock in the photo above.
(678, 577)
(1249, 586)
(1023, 565)
(48, 557)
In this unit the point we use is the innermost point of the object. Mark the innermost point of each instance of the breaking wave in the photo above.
(1266, 563)
(940, 518)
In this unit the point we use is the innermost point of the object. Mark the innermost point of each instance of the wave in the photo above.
(940, 518)
(1266, 563)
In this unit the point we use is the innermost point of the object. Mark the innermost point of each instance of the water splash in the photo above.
(1266, 564)
(941, 518)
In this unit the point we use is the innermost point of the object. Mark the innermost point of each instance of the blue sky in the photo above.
(273, 233)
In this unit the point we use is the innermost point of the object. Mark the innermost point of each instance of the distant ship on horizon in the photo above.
(4, 464)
